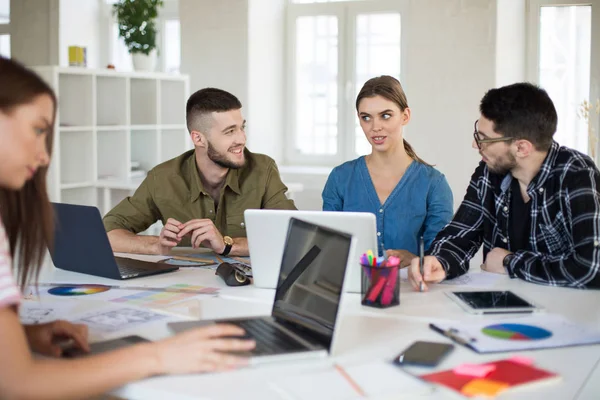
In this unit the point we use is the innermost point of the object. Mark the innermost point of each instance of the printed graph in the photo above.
(165, 297)
(516, 332)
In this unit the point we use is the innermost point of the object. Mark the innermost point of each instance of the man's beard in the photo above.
(221, 159)
(504, 165)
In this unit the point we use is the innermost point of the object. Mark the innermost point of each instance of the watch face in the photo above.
(506, 260)
(227, 240)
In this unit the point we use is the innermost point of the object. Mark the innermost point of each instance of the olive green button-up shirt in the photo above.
(173, 189)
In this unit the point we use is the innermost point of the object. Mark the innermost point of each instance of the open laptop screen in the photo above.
(311, 278)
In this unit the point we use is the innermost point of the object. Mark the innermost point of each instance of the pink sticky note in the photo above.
(476, 370)
(521, 360)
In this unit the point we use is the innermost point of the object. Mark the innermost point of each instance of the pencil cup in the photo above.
(380, 286)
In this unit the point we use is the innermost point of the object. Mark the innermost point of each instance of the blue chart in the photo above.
(516, 332)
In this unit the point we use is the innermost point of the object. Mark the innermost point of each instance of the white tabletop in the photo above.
(367, 334)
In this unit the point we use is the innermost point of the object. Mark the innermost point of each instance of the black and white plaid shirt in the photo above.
(564, 233)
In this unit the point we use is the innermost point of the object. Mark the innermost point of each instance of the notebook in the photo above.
(491, 379)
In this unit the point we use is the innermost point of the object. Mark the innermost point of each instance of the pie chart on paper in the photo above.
(516, 332)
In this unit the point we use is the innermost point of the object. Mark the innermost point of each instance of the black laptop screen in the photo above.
(311, 278)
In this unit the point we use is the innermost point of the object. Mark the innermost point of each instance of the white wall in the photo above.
(80, 26)
(214, 45)
(450, 65)
(34, 31)
(266, 76)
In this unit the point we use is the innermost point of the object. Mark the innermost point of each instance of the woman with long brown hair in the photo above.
(27, 113)
(409, 197)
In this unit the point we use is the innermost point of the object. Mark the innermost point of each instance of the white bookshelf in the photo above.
(106, 120)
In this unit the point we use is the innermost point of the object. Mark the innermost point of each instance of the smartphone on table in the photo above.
(423, 354)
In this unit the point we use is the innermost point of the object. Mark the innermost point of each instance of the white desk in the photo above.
(368, 334)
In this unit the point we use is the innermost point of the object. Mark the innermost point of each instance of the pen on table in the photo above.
(421, 261)
(453, 336)
(351, 381)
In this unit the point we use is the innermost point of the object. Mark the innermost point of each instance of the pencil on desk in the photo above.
(351, 381)
(199, 260)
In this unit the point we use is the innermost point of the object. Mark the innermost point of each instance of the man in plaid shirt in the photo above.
(534, 205)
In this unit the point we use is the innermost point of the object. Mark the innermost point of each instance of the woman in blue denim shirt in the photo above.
(409, 197)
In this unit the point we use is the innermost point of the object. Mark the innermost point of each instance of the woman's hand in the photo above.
(404, 256)
(46, 338)
(202, 350)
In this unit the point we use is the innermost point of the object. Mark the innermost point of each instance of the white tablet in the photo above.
(492, 302)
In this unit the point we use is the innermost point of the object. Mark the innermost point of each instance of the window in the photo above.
(171, 46)
(4, 11)
(564, 68)
(5, 46)
(562, 33)
(334, 48)
(4, 28)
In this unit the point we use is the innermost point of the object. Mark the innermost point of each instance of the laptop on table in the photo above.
(81, 245)
(266, 234)
(305, 312)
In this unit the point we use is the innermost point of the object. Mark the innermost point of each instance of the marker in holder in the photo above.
(380, 283)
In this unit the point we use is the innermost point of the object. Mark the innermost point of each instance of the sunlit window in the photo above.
(564, 68)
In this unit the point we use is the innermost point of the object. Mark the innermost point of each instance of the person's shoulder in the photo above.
(429, 171)
(573, 159)
(258, 158)
(570, 163)
(348, 167)
(173, 166)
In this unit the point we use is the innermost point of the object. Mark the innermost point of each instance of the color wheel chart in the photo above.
(516, 332)
(78, 290)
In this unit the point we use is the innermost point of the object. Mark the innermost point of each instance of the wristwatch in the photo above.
(228, 243)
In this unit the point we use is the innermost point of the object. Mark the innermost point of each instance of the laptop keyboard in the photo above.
(130, 267)
(269, 339)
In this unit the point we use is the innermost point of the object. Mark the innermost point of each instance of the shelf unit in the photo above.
(107, 119)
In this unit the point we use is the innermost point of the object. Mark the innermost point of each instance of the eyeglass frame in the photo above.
(489, 140)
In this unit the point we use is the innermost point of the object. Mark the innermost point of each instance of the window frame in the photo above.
(346, 12)
(533, 47)
(5, 30)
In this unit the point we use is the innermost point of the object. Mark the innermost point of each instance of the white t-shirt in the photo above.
(9, 291)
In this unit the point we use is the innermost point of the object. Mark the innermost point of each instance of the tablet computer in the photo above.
(492, 302)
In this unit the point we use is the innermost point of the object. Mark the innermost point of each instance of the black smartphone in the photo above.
(425, 354)
(101, 347)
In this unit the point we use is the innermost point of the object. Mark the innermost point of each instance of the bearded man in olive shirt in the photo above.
(201, 195)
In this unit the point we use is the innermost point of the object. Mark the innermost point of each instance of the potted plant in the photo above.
(137, 27)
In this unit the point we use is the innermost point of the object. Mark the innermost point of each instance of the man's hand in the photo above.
(205, 233)
(168, 236)
(493, 261)
(45, 338)
(405, 256)
(433, 272)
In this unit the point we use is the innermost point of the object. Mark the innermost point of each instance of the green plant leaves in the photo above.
(137, 23)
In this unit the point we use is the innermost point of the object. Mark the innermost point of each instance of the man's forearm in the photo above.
(123, 241)
(240, 247)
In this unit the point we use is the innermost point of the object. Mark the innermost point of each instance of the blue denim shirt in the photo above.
(419, 205)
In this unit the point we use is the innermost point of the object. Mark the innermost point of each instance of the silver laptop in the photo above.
(307, 299)
(266, 233)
